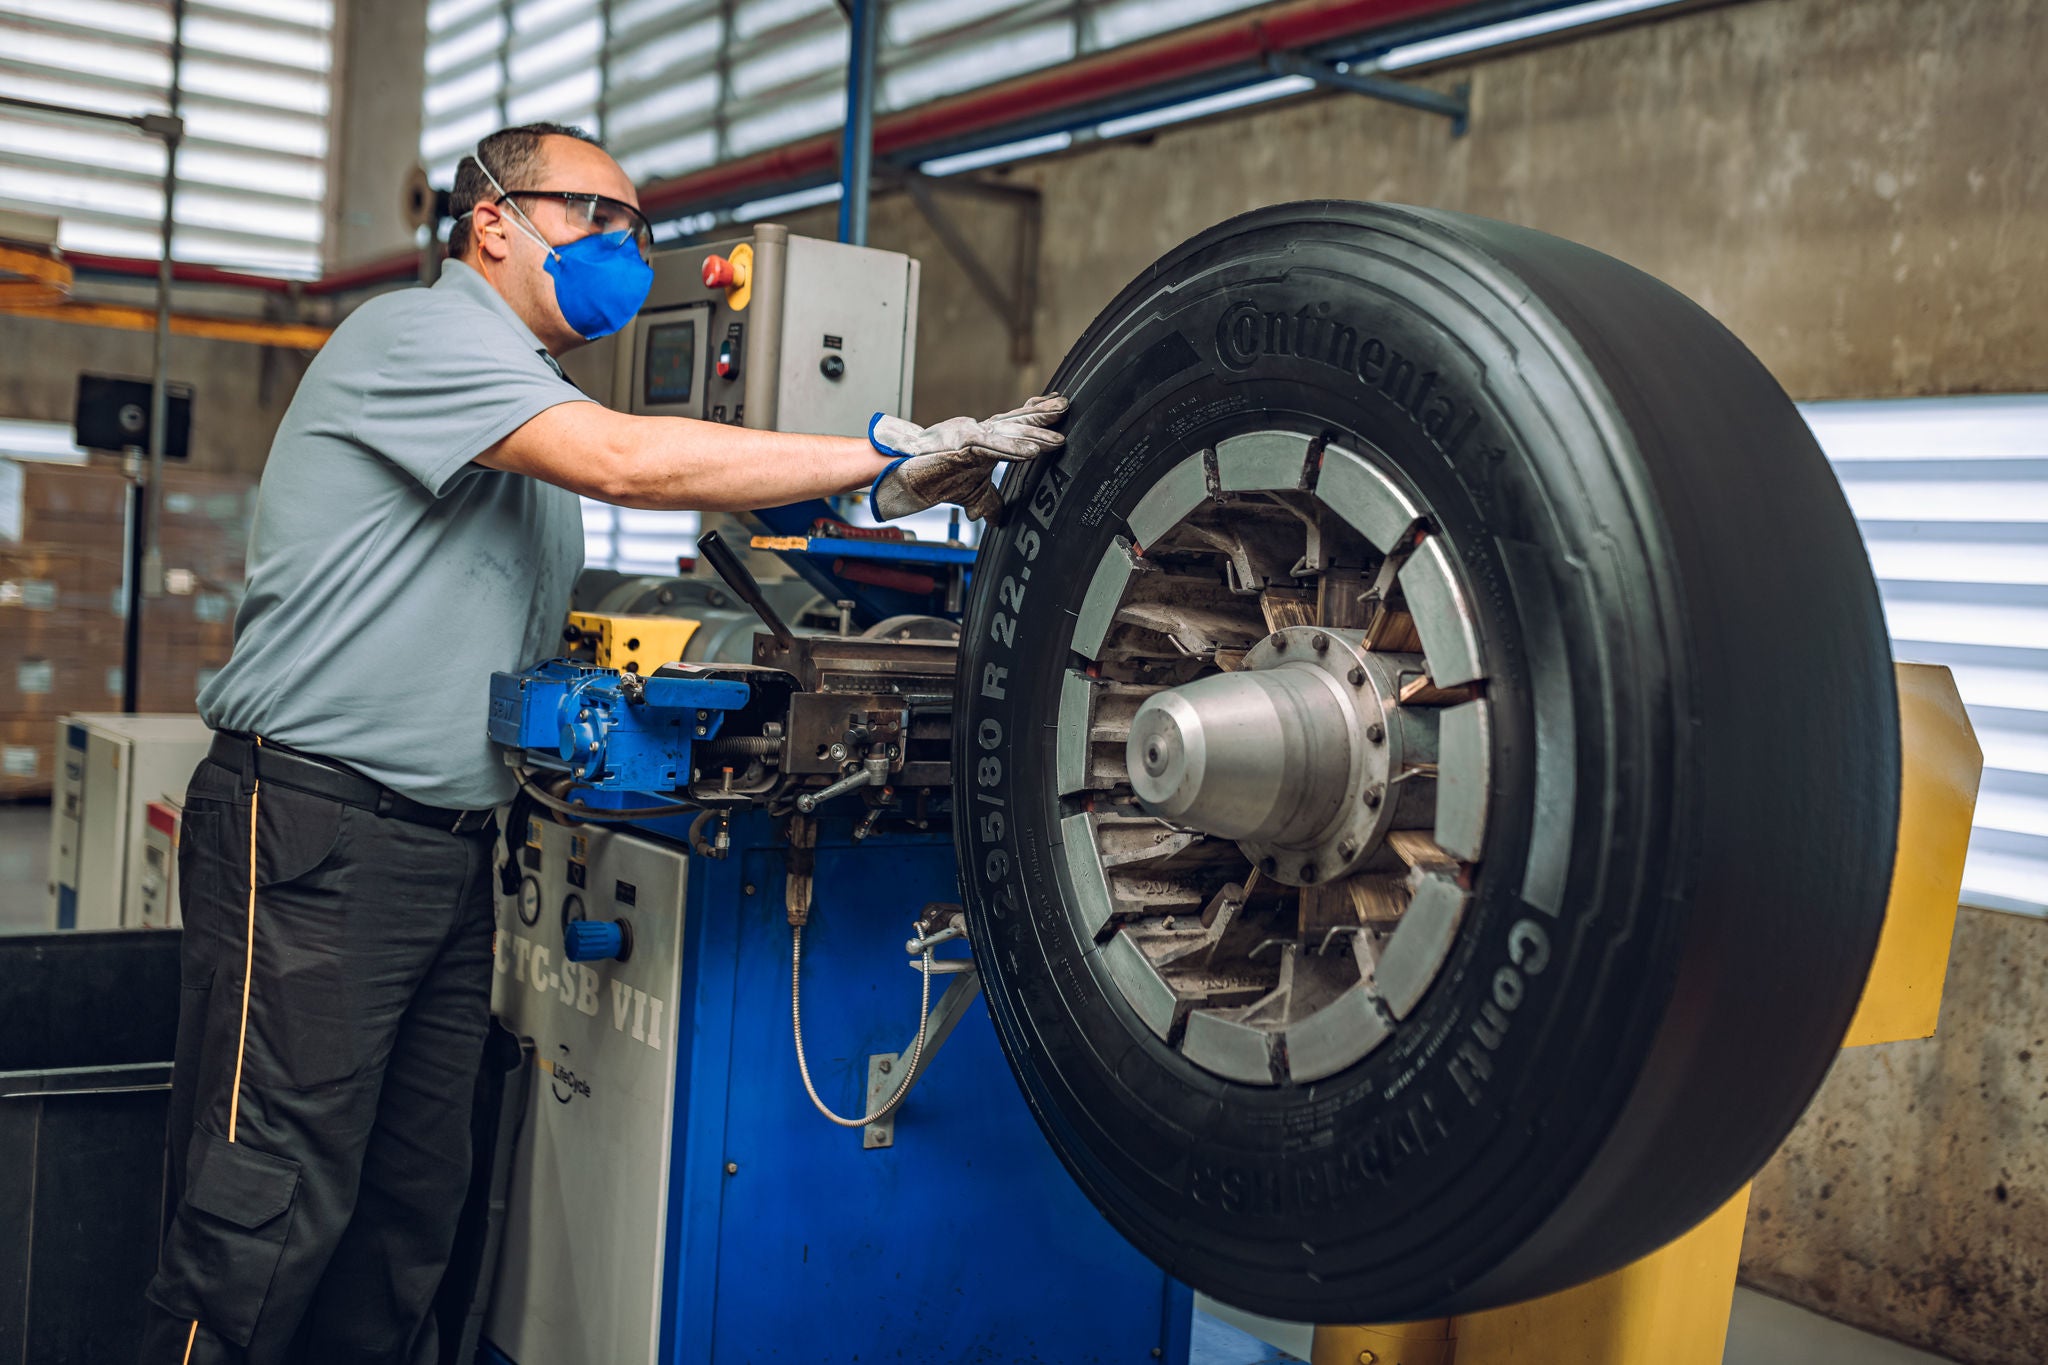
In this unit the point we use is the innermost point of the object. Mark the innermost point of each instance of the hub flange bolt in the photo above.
(1308, 872)
(1269, 865)
(1375, 732)
(1320, 641)
(1356, 675)
(1347, 849)
(1373, 795)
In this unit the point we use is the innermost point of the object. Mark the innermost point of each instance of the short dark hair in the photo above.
(514, 156)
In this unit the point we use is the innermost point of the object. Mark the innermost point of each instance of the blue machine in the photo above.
(676, 1197)
(613, 730)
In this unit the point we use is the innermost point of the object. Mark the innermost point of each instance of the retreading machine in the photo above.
(674, 1195)
(1332, 771)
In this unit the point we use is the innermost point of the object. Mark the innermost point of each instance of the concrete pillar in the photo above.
(379, 78)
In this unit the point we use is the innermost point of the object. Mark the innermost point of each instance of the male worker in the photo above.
(418, 530)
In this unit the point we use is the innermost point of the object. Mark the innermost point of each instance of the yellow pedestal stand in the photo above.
(1671, 1307)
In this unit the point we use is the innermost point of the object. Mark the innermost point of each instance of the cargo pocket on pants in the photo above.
(230, 1230)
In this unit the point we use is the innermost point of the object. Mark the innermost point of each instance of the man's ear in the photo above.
(487, 224)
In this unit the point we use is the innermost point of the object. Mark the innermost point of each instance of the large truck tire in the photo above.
(1428, 765)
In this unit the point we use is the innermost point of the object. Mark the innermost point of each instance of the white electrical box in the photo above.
(109, 768)
(157, 887)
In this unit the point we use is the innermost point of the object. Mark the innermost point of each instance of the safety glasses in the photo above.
(598, 213)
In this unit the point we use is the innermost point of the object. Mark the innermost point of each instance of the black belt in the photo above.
(320, 777)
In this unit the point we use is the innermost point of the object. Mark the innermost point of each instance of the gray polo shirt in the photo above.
(389, 577)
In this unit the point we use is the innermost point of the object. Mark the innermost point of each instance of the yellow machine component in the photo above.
(742, 291)
(1937, 799)
(636, 644)
(1671, 1307)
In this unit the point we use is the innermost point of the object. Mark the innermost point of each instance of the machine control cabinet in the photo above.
(819, 338)
(109, 768)
(802, 335)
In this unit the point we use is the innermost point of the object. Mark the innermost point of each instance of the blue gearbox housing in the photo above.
(613, 731)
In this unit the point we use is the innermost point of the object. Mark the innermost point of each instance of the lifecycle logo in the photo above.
(568, 1085)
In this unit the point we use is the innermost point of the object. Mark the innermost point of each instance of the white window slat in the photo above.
(238, 213)
(81, 147)
(785, 122)
(643, 62)
(241, 253)
(1113, 25)
(459, 137)
(224, 38)
(969, 67)
(575, 46)
(109, 239)
(108, 16)
(315, 14)
(253, 85)
(256, 130)
(560, 101)
(534, 16)
(672, 157)
(672, 108)
(1953, 494)
(474, 86)
(466, 45)
(60, 190)
(109, 96)
(787, 63)
(751, 18)
(59, 55)
(444, 15)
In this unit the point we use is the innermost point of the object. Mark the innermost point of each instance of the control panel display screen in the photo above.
(671, 362)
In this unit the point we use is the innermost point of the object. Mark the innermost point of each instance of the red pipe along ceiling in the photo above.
(1177, 56)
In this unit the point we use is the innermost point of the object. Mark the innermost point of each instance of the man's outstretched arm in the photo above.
(667, 463)
(677, 463)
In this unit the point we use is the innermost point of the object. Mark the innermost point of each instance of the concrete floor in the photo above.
(1761, 1330)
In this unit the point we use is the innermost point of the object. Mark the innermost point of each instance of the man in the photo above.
(418, 529)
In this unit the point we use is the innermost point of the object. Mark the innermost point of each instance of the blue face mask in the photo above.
(600, 280)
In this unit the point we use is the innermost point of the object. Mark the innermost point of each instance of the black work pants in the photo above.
(337, 976)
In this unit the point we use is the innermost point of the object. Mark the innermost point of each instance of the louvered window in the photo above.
(674, 85)
(255, 90)
(1952, 496)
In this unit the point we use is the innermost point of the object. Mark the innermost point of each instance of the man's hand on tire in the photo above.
(954, 461)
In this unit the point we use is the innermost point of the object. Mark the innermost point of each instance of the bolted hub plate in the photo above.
(1292, 756)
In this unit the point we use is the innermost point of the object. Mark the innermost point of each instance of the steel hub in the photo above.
(1275, 758)
(1295, 756)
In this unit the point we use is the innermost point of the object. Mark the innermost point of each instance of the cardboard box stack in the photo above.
(62, 567)
(188, 632)
(60, 609)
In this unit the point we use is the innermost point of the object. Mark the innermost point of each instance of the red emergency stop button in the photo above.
(718, 273)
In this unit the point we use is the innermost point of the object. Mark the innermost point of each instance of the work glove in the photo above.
(954, 461)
